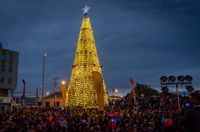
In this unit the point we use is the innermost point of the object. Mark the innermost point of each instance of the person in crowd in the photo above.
(191, 118)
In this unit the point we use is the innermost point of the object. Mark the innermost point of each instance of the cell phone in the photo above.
(112, 119)
(187, 105)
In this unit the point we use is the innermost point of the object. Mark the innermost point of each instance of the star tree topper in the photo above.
(85, 10)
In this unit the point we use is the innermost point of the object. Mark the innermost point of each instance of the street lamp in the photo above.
(114, 90)
(43, 77)
(63, 82)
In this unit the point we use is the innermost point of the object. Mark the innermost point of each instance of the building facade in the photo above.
(5, 103)
(49, 101)
(8, 71)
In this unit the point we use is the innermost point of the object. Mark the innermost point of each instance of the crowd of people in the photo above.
(149, 114)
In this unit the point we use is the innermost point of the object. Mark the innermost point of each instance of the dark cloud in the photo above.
(142, 40)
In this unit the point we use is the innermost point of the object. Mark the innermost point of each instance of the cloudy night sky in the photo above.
(142, 40)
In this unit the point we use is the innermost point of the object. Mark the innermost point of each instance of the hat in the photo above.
(61, 119)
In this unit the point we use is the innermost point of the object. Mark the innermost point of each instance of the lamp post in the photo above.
(187, 80)
(43, 77)
(114, 90)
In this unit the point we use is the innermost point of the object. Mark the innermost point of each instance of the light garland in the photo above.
(86, 61)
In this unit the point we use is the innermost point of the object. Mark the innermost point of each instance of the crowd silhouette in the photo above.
(149, 114)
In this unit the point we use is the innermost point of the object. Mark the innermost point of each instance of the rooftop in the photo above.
(59, 94)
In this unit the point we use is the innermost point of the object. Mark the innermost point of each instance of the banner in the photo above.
(64, 92)
(23, 93)
(23, 98)
(132, 83)
(98, 85)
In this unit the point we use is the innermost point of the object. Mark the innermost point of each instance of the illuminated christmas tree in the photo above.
(81, 92)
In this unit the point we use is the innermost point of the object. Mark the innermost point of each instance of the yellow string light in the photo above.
(86, 61)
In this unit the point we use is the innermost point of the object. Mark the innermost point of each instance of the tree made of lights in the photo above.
(81, 92)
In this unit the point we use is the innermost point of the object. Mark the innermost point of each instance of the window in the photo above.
(47, 104)
(11, 58)
(57, 104)
(39, 103)
(2, 68)
(2, 80)
(10, 69)
(3, 57)
(5, 92)
(9, 80)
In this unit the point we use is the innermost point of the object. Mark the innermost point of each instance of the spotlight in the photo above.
(188, 78)
(163, 78)
(181, 78)
(165, 89)
(189, 88)
(172, 78)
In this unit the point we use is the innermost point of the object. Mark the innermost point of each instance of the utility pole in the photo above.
(178, 97)
(123, 94)
(37, 97)
(114, 90)
(19, 95)
(55, 89)
(113, 95)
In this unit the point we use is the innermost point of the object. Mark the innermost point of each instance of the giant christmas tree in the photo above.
(81, 92)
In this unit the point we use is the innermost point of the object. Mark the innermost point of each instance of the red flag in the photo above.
(132, 83)
(23, 93)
